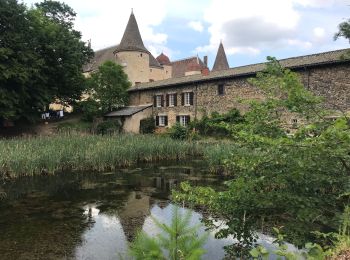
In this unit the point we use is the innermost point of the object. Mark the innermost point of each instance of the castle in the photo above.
(184, 90)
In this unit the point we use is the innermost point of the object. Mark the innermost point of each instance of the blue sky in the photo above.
(250, 30)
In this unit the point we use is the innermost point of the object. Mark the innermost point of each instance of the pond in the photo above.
(95, 215)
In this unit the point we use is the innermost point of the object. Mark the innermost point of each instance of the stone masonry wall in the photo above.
(332, 82)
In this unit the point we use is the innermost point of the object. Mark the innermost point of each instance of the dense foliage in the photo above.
(41, 58)
(109, 127)
(179, 240)
(109, 85)
(217, 124)
(147, 125)
(299, 181)
(89, 108)
(29, 156)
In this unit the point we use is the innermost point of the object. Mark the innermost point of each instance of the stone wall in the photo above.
(136, 65)
(331, 82)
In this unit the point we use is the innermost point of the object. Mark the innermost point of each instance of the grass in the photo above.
(29, 156)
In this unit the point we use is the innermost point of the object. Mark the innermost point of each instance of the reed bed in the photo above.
(36, 155)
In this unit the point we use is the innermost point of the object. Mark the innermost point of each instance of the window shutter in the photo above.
(191, 98)
(167, 100)
(154, 100)
(157, 120)
(182, 99)
(165, 120)
(175, 99)
(162, 101)
(178, 119)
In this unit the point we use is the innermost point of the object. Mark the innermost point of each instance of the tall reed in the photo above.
(29, 156)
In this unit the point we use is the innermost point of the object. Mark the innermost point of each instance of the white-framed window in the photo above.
(183, 120)
(159, 101)
(171, 100)
(162, 120)
(187, 98)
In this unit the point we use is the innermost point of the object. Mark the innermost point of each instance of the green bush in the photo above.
(147, 125)
(178, 132)
(90, 109)
(218, 124)
(109, 127)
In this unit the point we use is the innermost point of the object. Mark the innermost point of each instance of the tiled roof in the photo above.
(163, 59)
(127, 111)
(153, 62)
(100, 57)
(131, 40)
(179, 67)
(221, 59)
(249, 70)
(107, 54)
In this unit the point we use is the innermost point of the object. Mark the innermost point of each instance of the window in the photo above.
(183, 120)
(158, 100)
(221, 89)
(140, 54)
(172, 100)
(294, 120)
(187, 99)
(161, 120)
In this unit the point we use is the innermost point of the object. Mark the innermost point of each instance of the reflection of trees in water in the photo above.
(50, 208)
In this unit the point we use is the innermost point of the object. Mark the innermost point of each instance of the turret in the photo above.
(221, 59)
(132, 54)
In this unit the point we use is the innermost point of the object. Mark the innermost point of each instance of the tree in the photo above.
(109, 86)
(344, 31)
(179, 239)
(41, 58)
(299, 182)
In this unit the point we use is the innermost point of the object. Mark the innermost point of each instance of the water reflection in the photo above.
(93, 215)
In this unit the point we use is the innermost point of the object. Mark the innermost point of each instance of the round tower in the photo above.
(132, 54)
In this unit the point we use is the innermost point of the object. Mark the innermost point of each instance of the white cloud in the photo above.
(245, 26)
(104, 21)
(319, 32)
(251, 26)
(196, 25)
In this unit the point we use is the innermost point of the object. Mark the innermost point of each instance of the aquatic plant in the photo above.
(29, 156)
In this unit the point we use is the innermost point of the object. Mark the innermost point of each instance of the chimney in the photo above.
(205, 71)
(205, 60)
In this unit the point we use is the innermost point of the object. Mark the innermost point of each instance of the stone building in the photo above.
(190, 97)
(138, 63)
(184, 90)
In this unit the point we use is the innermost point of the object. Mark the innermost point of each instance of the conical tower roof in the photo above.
(131, 40)
(221, 59)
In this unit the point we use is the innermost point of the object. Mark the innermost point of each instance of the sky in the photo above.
(250, 30)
